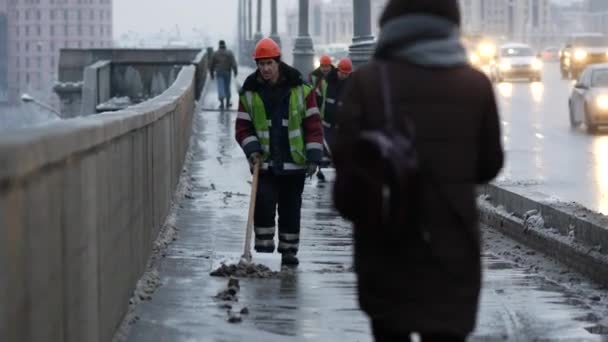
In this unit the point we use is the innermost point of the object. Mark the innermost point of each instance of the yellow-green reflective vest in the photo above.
(323, 85)
(297, 112)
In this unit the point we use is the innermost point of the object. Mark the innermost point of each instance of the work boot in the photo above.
(320, 176)
(228, 103)
(289, 259)
(221, 103)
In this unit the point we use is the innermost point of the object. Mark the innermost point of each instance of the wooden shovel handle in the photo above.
(249, 228)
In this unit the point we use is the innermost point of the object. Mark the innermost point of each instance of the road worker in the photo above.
(335, 84)
(279, 128)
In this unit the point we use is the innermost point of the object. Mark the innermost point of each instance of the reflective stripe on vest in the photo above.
(324, 86)
(321, 87)
(297, 113)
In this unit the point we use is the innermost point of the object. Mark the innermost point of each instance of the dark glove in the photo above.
(236, 74)
(212, 76)
(311, 169)
(254, 158)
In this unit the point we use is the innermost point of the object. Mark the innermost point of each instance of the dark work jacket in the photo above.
(334, 91)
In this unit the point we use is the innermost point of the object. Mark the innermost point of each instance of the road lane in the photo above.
(543, 153)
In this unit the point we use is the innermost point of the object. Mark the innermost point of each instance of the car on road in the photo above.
(581, 50)
(550, 54)
(588, 103)
(516, 61)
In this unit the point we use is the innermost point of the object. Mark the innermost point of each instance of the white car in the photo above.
(589, 100)
(516, 61)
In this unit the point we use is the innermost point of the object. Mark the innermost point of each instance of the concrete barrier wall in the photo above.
(568, 232)
(568, 219)
(81, 203)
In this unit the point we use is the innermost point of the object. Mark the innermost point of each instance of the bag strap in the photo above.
(387, 99)
(386, 96)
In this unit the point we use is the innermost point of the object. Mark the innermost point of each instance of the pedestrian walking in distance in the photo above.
(433, 120)
(279, 127)
(222, 65)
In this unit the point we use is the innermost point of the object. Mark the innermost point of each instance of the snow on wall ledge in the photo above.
(81, 202)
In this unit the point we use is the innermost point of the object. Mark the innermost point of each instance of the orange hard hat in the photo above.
(325, 60)
(267, 48)
(345, 65)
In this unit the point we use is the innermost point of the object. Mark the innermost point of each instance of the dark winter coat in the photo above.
(426, 278)
(335, 86)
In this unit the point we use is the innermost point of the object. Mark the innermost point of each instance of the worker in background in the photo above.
(222, 64)
(279, 128)
(335, 84)
(318, 79)
(320, 73)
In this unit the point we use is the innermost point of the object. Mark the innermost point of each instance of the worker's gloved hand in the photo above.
(254, 158)
(212, 76)
(311, 169)
(236, 74)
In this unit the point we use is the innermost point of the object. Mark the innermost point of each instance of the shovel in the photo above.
(246, 257)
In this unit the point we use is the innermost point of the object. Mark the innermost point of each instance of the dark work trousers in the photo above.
(282, 193)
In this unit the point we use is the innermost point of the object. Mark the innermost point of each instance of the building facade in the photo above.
(597, 16)
(36, 30)
(331, 22)
(528, 21)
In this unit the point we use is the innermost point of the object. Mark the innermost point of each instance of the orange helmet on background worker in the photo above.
(345, 67)
(325, 60)
(266, 48)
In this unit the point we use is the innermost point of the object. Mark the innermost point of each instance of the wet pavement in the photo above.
(543, 153)
(316, 301)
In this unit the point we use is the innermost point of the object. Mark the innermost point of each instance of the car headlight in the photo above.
(602, 102)
(580, 55)
(504, 66)
(486, 50)
(474, 58)
(537, 65)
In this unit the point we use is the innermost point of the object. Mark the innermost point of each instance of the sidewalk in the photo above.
(317, 303)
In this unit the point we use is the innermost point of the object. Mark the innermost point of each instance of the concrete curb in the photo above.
(567, 232)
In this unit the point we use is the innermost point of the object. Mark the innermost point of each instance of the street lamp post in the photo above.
(274, 34)
(25, 98)
(258, 28)
(363, 40)
(250, 42)
(303, 50)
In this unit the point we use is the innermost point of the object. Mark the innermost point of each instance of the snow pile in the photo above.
(145, 287)
(572, 232)
(115, 103)
(68, 85)
(533, 219)
(230, 294)
(245, 270)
